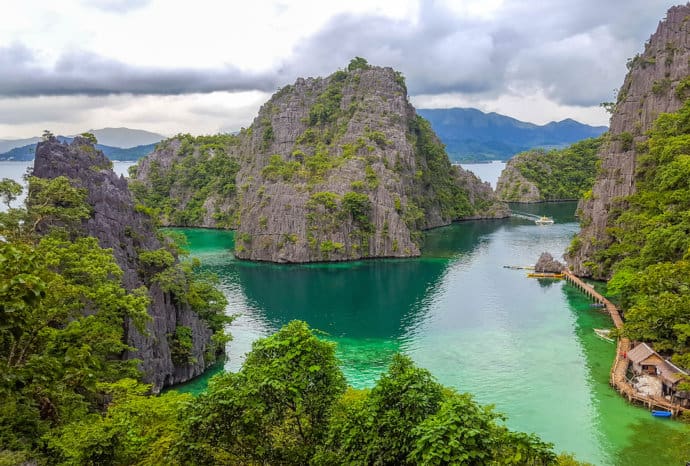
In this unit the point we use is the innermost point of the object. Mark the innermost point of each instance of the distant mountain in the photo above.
(471, 135)
(28, 151)
(8, 144)
(126, 137)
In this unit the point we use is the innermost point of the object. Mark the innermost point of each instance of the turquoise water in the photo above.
(524, 345)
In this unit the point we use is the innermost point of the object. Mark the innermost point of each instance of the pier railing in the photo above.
(619, 369)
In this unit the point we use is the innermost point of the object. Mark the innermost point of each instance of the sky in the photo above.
(206, 66)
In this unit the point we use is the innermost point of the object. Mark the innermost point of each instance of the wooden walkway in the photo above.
(619, 369)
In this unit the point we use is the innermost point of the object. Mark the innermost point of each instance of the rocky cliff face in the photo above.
(555, 175)
(512, 186)
(654, 84)
(341, 168)
(117, 225)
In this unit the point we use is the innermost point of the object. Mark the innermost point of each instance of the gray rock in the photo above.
(648, 90)
(547, 264)
(372, 143)
(512, 186)
(117, 225)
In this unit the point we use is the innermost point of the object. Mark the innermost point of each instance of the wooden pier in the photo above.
(619, 370)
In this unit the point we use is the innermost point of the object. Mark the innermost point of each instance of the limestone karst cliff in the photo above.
(334, 168)
(555, 175)
(131, 235)
(656, 83)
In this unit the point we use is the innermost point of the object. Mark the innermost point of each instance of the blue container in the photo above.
(661, 413)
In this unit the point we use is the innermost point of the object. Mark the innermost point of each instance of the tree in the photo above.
(63, 312)
(9, 191)
(275, 409)
(90, 137)
(137, 429)
(55, 203)
(358, 63)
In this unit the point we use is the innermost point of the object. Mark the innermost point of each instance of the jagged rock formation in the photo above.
(334, 168)
(547, 264)
(512, 186)
(656, 83)
(554, 175)
(117, 225)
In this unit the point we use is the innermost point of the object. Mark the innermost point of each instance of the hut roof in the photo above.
(667, 370)
(671, 373)
(640, 353)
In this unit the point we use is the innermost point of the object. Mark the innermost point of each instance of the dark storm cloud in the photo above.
(82, 73)
(573, 52)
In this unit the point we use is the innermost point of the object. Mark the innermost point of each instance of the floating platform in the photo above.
(555, 276)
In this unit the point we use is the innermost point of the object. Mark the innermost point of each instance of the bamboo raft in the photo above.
(619, 369)
(557, 276)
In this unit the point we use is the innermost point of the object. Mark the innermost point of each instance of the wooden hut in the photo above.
(645, 360)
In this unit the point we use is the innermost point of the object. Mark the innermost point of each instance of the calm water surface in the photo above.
(525, 345)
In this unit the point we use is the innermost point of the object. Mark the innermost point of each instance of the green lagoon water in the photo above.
(524, 345)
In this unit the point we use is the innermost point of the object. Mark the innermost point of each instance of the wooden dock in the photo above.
(619, 370)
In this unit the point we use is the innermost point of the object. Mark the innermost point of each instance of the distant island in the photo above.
(539, 175)
(471, 135)
(116, 143)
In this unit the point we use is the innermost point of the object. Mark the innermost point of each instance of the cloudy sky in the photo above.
(206, 66)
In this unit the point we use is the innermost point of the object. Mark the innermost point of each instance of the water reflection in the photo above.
(524, 345)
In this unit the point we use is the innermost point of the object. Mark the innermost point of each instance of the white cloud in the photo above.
(533, 107)
(537, 60)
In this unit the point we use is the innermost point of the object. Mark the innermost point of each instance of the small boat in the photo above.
(544, 221)
(597, 305)
(604, 334)
(658, 413)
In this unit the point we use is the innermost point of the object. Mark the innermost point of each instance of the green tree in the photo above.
(9, 191)
(137, 429)
(90, 137)
(275, 409)
(358, 63)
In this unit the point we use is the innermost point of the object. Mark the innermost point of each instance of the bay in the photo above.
(524, 345)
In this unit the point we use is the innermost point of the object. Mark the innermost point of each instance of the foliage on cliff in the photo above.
(649, 252)
(352, 135)
(202, 167)
(63, 314)
(557, 174)
(289, 405)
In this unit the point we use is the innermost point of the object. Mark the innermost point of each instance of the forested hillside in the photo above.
(471, 135)
(559, 174)
(649, 255)
(332, 169)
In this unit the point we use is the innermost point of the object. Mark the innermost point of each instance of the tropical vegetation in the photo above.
(649, 252)
(558, 174)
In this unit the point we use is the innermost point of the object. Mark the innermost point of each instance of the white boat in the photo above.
(604, 333)
(544, 221)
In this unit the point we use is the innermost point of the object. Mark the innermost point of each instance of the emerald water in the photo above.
(524, 345)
